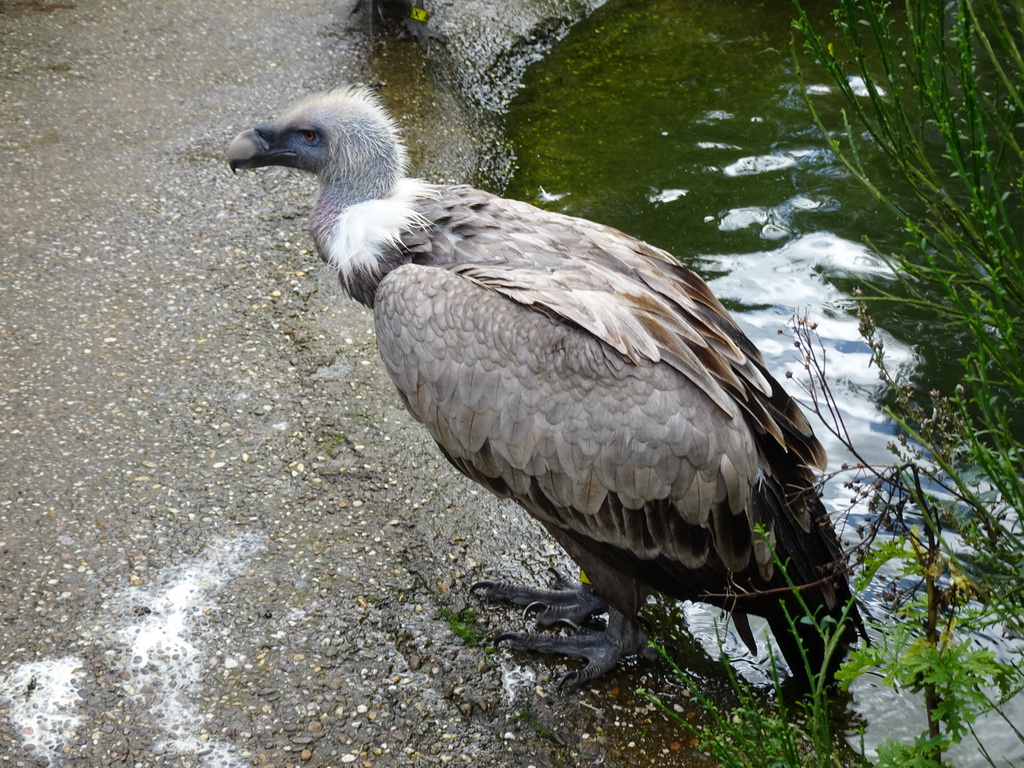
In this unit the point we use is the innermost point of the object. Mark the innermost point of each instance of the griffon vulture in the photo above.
(585, 374)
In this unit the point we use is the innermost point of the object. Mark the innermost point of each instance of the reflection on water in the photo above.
(766, 288)
(684, 123)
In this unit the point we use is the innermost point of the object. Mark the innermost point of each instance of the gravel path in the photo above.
(223, 541)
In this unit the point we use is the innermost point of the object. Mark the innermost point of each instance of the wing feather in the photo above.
(560, 415)
(633, 296)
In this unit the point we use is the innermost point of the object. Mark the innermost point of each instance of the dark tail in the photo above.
(816, 621)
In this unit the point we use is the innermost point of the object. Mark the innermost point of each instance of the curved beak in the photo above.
(246, 150)
(254, 148)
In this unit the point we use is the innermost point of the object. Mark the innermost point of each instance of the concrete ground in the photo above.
(223, 541)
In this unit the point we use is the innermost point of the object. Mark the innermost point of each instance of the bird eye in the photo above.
(309, 136)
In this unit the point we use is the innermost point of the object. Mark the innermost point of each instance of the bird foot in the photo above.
(423, 34)
(601, 650)
(414, 25)
(568, 602)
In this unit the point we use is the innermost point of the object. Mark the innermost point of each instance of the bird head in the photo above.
(343, 137)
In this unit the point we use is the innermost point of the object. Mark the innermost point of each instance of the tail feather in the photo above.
(820, 603)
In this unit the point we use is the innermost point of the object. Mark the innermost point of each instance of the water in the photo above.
(685, 124)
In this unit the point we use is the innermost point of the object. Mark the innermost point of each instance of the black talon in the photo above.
(569, 600)
(561, 580)
(569, 680)
(536, 605)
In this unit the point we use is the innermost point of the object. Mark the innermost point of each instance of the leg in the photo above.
(416, 27)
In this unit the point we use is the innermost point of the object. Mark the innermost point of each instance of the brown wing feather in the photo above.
(634, 297)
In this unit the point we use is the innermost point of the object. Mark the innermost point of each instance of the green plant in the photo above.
(527, 716)
(922, 651)
(464, 626)
(779, 732)
(944, 104)
(760, 730)
(950, 71)
(925, 645)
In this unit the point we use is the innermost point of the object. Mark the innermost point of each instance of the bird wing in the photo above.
(597, 381)
(547, 413)
(637, 298)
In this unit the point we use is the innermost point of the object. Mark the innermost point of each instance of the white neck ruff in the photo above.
(361, 230)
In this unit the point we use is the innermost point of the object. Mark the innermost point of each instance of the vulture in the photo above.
(415, 19)
(585, 374)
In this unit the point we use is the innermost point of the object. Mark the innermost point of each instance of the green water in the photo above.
(685, 124)
(646, 98)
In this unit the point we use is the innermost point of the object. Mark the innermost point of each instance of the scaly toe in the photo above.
(569, 600)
